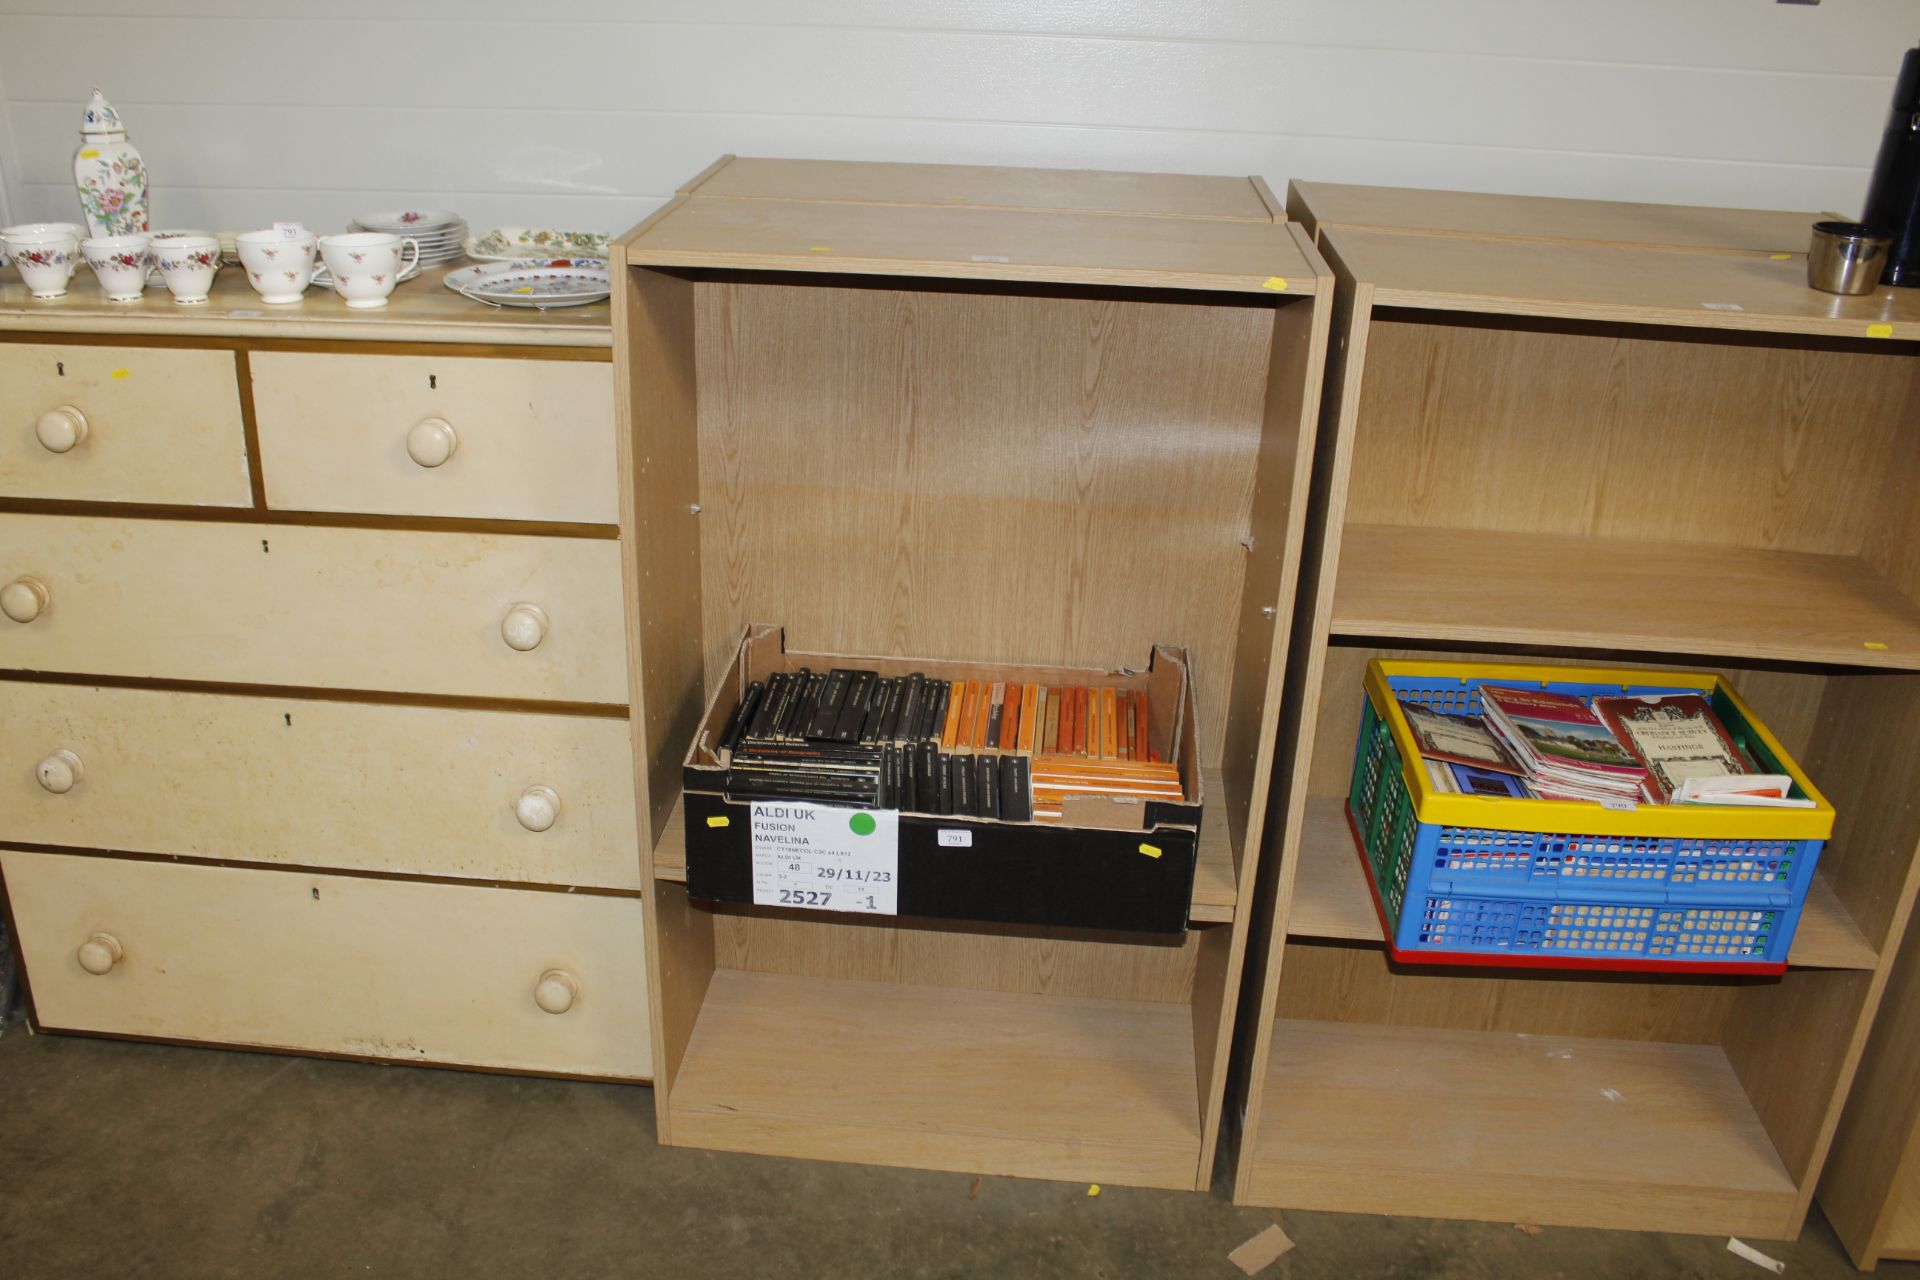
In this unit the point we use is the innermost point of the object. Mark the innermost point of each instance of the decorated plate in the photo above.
(407, 222)
(513, 244)
(559, 282)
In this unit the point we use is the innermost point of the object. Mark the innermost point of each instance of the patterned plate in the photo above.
(520, 244)
(561, 282)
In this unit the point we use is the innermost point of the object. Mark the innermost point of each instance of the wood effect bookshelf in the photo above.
(1556, 450)
(1057, 420)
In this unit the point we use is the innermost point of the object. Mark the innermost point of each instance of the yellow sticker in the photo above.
(1873, 644)
(1277, 283)
(958, 199)
(1093, 1188)
(121, 375)
(525, 288)
(1780, 257)
(819, 248)
(89, 154)
(1151, 850)
(1879, 331)
(720, 822)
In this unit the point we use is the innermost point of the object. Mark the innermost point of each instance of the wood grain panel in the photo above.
(336, 608)
(1322, 206)
(974, 1081)
(1045, 480)
(162, 426)
(1677, 597)
(1541, 1129)
(1357, 984)
(410, 790)
(935, 953)
(975, 244)
(1624, 434)
(437, 973)
(1617, 285)
(534, 437)
(1167, 195)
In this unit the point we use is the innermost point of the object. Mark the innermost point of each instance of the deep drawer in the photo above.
(334, 964)
(351, 786)
(334, 608)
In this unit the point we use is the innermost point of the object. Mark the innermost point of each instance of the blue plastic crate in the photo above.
(1586, 898)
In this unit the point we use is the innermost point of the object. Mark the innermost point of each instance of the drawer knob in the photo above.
(59, 771)
(432, 441)
(25, 598)
(556, 991)
(60, 429)
(524, 627)
(537, 808)
(98, 954)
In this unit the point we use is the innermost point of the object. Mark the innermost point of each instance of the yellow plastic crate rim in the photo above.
(1587, 817)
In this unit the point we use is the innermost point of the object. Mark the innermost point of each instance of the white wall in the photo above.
(589, 112)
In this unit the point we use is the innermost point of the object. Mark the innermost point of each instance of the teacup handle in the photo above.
(407, 269)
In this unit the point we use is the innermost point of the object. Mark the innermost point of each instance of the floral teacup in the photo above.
(45, 258)
(73, 229)
(279, 266)
(188, 264)
(121, 264)
(366, 265)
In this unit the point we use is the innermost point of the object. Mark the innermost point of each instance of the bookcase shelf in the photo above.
(1653, 1136)
(1554, 451)
(1046, 418)
(1488, 587)
(977, 1081)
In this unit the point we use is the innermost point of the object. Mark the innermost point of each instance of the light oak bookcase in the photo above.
(974, 413)
(1570, 451)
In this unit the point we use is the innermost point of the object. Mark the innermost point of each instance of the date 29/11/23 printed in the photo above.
(826, 857)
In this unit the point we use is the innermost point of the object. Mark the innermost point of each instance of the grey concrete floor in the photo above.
(130, 1160)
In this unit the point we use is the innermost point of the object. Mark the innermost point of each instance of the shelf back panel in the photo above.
(1630, 432)
(1336, 982)
(963, 954)
(979, 475)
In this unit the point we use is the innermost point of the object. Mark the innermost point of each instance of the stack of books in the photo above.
(923, 744)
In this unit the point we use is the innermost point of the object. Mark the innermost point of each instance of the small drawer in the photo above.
(508, 978)
(488, 795)
(121, 424)
(483, 615)
(522, 439)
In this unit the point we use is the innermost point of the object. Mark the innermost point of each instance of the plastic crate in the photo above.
(1463, 879)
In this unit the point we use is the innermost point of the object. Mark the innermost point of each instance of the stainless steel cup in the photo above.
(1847, 257)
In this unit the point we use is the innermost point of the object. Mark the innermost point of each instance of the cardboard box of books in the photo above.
(1003, 793)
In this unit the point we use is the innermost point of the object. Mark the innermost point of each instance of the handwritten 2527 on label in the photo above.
(826, 858)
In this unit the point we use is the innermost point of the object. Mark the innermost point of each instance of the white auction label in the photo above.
(826, 858)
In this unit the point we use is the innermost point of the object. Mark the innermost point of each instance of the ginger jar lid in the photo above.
(101, 118)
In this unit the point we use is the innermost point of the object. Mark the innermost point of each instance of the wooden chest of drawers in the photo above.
(313, 679)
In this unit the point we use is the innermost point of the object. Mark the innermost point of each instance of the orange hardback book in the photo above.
(1052, 734)
(1109, 727)
(982, 698)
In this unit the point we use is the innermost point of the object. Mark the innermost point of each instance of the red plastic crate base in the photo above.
(1496, 960)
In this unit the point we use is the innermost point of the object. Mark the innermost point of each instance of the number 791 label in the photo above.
(824, 858)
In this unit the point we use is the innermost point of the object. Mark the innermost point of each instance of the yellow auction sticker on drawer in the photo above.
(826, 858)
